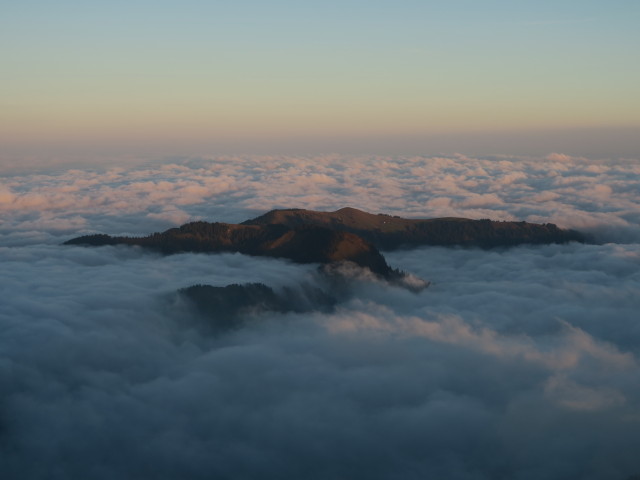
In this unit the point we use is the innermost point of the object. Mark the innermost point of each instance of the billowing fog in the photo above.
(516, 363)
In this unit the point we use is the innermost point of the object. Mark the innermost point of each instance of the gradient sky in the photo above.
(494, 76)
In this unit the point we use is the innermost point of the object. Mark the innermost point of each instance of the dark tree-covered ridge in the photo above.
(391, 232)
(348, 234)
(305, 244)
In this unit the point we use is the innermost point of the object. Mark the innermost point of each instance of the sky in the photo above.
(410, 77)
(128, 118)
(519, 363)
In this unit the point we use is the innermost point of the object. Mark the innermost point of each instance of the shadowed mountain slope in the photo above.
(390, 232)
(305, 244)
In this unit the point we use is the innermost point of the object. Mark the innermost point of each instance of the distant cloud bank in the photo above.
(600, 197)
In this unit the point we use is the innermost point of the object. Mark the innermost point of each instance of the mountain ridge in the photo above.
(391, 232)
(346, 235)
(305, 244)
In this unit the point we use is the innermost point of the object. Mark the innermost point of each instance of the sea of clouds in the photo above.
(516, 363)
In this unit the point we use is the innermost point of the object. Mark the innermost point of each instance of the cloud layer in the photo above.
(519, 363)
(597, 196)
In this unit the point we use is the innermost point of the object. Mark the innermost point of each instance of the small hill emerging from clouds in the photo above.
(390, 232)
(229, 307)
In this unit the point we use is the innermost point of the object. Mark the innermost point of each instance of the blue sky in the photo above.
(246, 74)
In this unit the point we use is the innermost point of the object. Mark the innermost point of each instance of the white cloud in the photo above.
(571, 192)
(519, 363)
